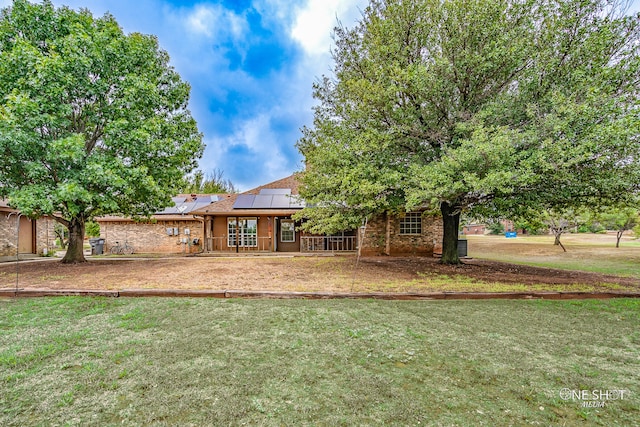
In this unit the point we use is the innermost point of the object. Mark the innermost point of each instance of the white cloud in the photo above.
(215, 20)
(261, 147)
(314, 23)
(262, 142)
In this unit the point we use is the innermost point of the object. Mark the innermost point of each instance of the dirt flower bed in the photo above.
(327, 274)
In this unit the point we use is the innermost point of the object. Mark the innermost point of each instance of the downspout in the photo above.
(204, 231)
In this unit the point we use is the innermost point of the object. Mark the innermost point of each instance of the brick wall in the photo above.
(427, 243)
(7, 234)
(152, 237)
(474, 229)
(45, 237)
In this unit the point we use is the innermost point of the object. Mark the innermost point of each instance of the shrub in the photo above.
(495, 227)
(92, 229)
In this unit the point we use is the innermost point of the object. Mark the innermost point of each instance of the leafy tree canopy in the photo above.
(92, 121)
(488, 108)
(210, 183)
(620, 219)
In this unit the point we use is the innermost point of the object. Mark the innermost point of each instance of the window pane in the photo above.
(411, 223)
(250, 232)
(247, 230)
(231, 232)
(287, 231)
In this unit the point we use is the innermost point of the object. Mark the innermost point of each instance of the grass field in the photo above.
(585, 252)
(96, 361)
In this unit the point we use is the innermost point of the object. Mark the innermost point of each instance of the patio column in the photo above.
(237, 234)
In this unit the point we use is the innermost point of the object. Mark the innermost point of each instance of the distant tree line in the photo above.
(559, 222)
(210, 183)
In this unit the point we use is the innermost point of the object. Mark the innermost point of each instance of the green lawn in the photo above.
(587, 252)
(97, 361)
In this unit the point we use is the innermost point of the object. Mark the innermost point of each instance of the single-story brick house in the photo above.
(474, 228)
(173, 230)
(30, 237)
(259, 220)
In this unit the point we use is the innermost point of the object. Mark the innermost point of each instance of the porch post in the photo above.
(275, 234)
(237, 234)
(207, 233)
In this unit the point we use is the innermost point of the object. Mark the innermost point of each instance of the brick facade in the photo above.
(7, 235)
(382, 237)
(45, 235)
(382, 234)
(42, 241)
(152, 237)
(474, 229)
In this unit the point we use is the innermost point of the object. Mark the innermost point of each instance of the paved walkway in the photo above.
(60, 254)
(23, 257)
(34, 257)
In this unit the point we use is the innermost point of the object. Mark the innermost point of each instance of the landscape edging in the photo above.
(183, 293)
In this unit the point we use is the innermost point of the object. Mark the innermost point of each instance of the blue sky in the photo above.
(251, 65)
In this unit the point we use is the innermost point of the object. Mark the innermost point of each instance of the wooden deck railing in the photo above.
(307, 244)
(219, 244)
(328, 244)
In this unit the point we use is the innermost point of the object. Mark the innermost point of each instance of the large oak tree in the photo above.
(92, 121)
(488, 108)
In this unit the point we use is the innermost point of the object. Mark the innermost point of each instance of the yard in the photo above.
(185, 361)
(592, 263)
(586, 252)
(163, 361)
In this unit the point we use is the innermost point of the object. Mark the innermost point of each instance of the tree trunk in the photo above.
(75, 250)
(618, 237)
(60, 235)
(387, 236)
(558, 242)
(451, 223)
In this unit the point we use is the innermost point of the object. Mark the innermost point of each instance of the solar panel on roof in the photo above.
(244, 201)
(168, 210)
(203, 199)
(275, 191)
(262, 201)
(199, 205)
(281, 201)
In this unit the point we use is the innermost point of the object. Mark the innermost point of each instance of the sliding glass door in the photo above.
(245, 230)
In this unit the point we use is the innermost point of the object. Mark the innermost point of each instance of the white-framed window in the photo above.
(287, 231)
(411, 223)
(246, 229)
